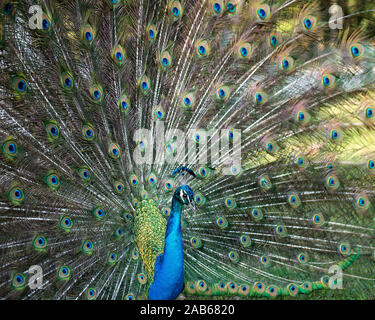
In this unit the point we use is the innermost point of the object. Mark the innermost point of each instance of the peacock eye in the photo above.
(185, 195)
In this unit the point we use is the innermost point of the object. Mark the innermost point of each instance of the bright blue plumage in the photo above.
(169, 267)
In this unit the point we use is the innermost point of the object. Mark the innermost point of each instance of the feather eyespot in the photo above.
(272, 291)
(126, 216)
(233, 256)
(144, 195)
(159, 112)
(332, 183)
(318, 219)
(91, 292)
(271, 146)
(203, 172)
(88, 132)
(292, 289)
(302, 162)
(200, 200)
(260, 97)
(264, 260)
(88, 34)
(84, 173)
(10, 148)
(8, 8)
(124, 103)
(165, 212)
(118, 233)
(245, 241)
(344, 248)
(39, 243)
(294, 200)
(202, 48)
(119, 187)
(263, 13)
(67, 80)
(53, 181)
(53, 130)
(362, 202)
(308, 23)
(188, 100)
(302, 117)
(96, 92)
(259, 287)
(256, 214)
(370, 166)
(169, 185)
(118, 55)
(306, 287)
(356, 50)
(66, 223)
(244, 50)
(114, 150)
(166, 60)
(366, 112)
(144, 84)
(201, 285)
(274, 39)
(46, 23)
(151, 32)
(18, 281)
(176, 10)
(196, 242)
(152, 179)
(217, 7)
(130, 296)
(281, 231)
(222, 93)
(287, 63)
(302, 258)
(328, 81)
(369, 113)
(19, 85)
(336, 135)
(98, 212)
(63, 272)
(221, 222)
(135, 254)
(230, 203)
(134, 180)
(142, 278)
(231, 7)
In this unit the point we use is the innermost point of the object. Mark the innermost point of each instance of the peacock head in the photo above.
(185, 195)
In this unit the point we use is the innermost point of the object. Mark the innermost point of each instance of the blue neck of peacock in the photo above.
(169, 270)
(173, 231)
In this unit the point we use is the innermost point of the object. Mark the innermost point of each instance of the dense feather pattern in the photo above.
(76, 200)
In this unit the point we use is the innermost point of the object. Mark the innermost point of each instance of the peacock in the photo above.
(187, 149)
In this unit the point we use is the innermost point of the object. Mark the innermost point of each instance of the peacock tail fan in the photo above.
(270, 105)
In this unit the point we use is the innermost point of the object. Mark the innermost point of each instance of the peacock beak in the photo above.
(192, 206)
